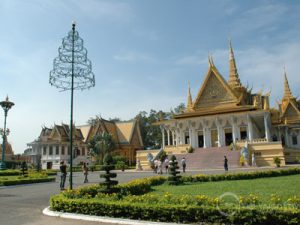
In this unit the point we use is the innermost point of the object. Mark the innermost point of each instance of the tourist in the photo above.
(253, 160)
(166, 163)
(225, 163)
(85, 172)
(159, 167)
(155, 166)
(63, 175)
(183, 164)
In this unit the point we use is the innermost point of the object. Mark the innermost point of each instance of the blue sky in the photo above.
(144, 52)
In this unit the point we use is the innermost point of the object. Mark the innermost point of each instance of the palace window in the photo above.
(63, 150)
(44, 151)
(57, 150)
(50, 150)
(294, 139)
(69, 152)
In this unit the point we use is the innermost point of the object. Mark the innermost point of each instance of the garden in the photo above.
(25, 176)
(261, 197)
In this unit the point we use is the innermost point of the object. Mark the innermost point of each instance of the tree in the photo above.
(101, 144)
(174, 179)
(108, 166)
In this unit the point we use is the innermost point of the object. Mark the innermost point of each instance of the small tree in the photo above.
(174, 179)
(108, 165)
(38, 167)
(24, 169)
(277, 161)
(101, 144)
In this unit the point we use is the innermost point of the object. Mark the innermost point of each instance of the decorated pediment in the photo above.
(214, 91)
(291, 111)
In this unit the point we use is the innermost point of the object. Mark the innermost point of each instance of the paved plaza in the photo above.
(24, 204)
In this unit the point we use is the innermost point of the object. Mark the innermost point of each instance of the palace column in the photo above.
(220, 133)
(163, 136)
(286, 137)
(173, 137)
(205, 138)
(235, 135)
(168, 133)
(250, 128)
(267, 126)
(177, 136)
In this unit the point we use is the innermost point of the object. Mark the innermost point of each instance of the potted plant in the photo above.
(277, 161)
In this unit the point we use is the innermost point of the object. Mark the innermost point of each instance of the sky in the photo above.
(143, 52)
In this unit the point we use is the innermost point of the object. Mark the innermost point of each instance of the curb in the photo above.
(102, 219)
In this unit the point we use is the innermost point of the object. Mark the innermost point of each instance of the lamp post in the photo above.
(6, 105)
(72, 70)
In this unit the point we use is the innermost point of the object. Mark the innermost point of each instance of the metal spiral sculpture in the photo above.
(72, 62)
(72, 70)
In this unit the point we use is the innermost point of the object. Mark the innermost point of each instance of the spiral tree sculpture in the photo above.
(72, 70)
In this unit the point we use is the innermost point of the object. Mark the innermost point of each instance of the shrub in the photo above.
(108, 166)
(174, 179)
(277, 161)
(190, 149)
(178, 213)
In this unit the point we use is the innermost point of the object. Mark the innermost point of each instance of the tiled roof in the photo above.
(124, 131)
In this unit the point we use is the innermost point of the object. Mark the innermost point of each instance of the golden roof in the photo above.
(125, 130)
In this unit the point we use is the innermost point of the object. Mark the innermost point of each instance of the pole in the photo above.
(71, 120)
(3, 167)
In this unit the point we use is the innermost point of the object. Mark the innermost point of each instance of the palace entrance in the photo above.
(228, 136)
(243, 132)
(200, 139)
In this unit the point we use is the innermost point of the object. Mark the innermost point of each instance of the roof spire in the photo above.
(234, 80)
(189, 100)
(287, 91)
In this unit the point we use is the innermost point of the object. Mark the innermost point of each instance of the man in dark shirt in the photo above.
(63, 175)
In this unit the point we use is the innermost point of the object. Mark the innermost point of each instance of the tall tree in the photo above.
(101, 144)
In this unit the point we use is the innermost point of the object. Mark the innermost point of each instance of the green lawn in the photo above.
(284, 186)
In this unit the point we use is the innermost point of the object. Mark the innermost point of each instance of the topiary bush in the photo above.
(107, 167)
(174, 179)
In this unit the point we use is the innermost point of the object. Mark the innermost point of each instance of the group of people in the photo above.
(63, 173)
(159, 165)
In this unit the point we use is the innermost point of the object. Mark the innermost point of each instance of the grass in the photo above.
(285, 186)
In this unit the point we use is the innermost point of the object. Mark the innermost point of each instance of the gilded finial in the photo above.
(189, 100)
(234, 80)
(287, 90)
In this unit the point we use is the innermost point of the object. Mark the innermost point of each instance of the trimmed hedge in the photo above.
(26, 181)
(10, 173)
(240, 176)
(177, 213)
(125, 203)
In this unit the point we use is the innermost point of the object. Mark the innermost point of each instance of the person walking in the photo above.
(63, 175)
(166, 163)
(183, 164)
(225, 163)
(85, 172)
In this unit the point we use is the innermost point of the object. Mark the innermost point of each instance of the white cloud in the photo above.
(264, 17)
(133, 57)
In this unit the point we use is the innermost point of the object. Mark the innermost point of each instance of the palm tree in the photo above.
(101, 144)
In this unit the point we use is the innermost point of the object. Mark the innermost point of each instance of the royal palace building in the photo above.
(52, 145)
(225, 117)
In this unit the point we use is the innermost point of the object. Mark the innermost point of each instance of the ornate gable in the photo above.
(291, 111)
(214, 91)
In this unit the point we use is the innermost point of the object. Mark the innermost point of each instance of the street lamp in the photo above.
(6, 105)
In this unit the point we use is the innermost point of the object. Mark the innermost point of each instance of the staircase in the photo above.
(210, 158)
